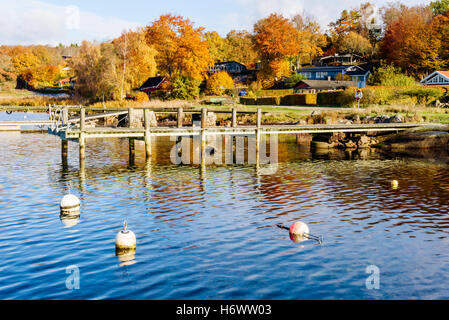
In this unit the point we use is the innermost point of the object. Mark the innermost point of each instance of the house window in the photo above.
(321, 75)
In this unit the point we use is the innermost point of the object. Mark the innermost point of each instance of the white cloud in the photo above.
(35, 22)
(324, 11)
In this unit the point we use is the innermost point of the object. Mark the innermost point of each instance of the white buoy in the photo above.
(70, 205)
(70, 221)
(125, 241)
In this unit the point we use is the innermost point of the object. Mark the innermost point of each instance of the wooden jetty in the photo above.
(75, 129)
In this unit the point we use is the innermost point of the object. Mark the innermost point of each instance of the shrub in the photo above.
(218, 83)
(299, 99)
(294, 79)
(389, 75)
(274, 93)
(141, 97)
(268, 101)
(185, 88)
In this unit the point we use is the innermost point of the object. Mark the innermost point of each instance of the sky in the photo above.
(52, 22)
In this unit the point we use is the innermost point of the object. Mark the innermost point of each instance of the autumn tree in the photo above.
(355, 43)
(218, 46)
(240, 48)
(136, 60)
(218, 83)
(411, 42)
(312, 40)
(182, 48)
(440, 7)
(97, 71)
(277, 40)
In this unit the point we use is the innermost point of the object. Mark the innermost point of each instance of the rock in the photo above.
(315, 113)
(356, 119)
(211, 119)
(337, 137)
(417, 140)
(350, 145)
(396, 119)
(364, 142)
(381, 119)
(301, 122)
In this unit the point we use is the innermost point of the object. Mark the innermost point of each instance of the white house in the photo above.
(437, 78)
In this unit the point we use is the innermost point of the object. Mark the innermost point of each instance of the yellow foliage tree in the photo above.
(218, 82)
(137, 59)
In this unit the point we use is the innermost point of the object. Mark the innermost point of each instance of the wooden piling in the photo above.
(64, 150)
(180, 117)
(65, 116)
(132, 149)
(203, 134)
(234, 117)
(130, 115)
(146, 119)
(259, 125)
(82, 140)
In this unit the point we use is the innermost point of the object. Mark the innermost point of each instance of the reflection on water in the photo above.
(210, 233)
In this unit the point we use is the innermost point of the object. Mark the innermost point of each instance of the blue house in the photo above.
(358, 75)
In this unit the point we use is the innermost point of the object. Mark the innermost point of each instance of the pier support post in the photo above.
(203, 135)
(234, 117)
(65, 116)
(82, 139)
(146, 117)
(132, 150)
(180, 117)
(258, 128)
(130, 114)
(64, 151)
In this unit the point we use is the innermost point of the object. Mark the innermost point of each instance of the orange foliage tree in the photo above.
(276, 39)
(182, 49)
(412, 42)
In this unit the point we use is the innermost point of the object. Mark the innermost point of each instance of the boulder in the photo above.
(395, 119)
(364, 142)
(417, 140)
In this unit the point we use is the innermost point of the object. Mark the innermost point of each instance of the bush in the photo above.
(248, 101)
(330, 97)
(274, 93)
(141, 97)
(389, 75)
(299, 99)
(294, 79)
(218, 83)
(185, 88)
(268, 101)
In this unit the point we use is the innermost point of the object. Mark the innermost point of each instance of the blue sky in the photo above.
(67, 21)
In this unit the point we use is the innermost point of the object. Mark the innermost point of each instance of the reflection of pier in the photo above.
(75, 129)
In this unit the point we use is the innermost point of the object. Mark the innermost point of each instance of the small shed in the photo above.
(152, 84)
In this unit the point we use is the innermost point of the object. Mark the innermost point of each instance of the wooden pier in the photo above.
(75, 129)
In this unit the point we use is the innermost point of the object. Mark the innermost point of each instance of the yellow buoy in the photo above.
(395, 184)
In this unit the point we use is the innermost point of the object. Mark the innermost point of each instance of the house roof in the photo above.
(331, 69)
(430, 76)
(227, 62)
(357, 73)
(152, 83)
(324, 84)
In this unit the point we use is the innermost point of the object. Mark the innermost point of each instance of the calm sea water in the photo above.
(213, 234)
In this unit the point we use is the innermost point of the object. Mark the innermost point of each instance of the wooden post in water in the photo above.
(64, 151)
(130, 114)
(65, 116)
(234, 117)
(49, 112)
(132, 146)
(146, 120)
(259, 125)
(180, 117)
(203, 135)
(82, 139)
